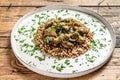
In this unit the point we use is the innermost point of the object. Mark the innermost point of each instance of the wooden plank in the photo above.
(5, 33)
(5, 43)
(9, 17)
(110, 71)
(59, 2)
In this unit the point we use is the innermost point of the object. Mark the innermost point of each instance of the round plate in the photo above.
(30, 56)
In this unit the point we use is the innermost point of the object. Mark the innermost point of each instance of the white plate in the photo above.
(24, 48)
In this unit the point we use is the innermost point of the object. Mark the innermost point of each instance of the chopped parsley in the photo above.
(85, 22)
(60, 28)
(109, 41)
(76, 60)
(53, 66)
(102, 30)
(33, 29)
(53, 28)
(40, 18)
(70, 65)
(74, 71)
(67, 62)
(47, 39)
(104, 27)
(31, 64)
(60, 67)
(33, 20)
(90, 58)
(25, 45)
(59, 11)
(96, 44)
(77, 15)
(66, 11)
(21, 41)
(102, 45)
(93, 45)
(20, 30)
(40, 58)
(93, 20)
(55, 61)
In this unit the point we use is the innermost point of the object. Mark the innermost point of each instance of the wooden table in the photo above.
(12, 10)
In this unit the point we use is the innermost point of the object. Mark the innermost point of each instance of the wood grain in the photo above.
(59, 2)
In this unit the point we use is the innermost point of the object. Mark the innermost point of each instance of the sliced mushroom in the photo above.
(51, 39)
(54, 24)
(74, 37)
(56, 40)
(49, 24)
(65, 20)
(75, 28)
(67, 44)
(81, 39)
(62, 23)
(66, 27)
(71, 30)
(79, 24)
(83, 30)
(65, 37)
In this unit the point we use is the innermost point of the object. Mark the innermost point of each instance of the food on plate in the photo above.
(67, 38)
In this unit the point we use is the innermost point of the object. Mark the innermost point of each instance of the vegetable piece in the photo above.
(67, 44)
(48, 24)
(83, 30)
(66, 27)
(81, 39)
(65, 20)
(67, 62)
(56, 40)
(75, 28)
(47, 39)
(74, 37)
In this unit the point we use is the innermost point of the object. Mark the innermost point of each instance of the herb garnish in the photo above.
(67, 62)
(60, 67)
(47, 39)
(40, 58)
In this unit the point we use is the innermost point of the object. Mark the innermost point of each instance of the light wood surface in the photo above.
(12, 10)
(59, 2)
